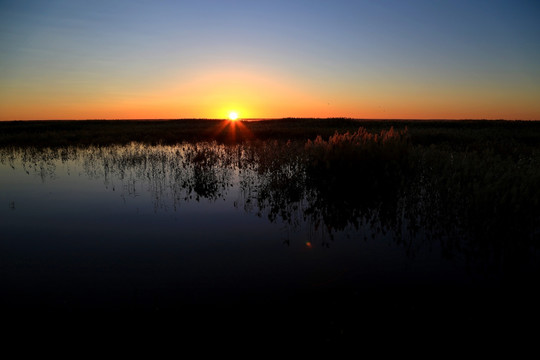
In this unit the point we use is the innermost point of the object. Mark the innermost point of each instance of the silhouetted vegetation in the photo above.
(469, 190)
(479, 199)
(505, 136)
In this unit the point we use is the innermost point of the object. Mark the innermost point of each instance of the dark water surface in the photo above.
(161, 228)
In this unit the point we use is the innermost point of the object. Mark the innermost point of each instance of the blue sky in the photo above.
(410, 59)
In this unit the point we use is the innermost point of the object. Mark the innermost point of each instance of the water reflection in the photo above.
(414, 197)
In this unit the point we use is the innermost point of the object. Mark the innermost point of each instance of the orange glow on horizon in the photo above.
(256, 93)
(174, 60)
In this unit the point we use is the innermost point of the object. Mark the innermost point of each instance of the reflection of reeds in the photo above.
(477, 200)
(357, 175)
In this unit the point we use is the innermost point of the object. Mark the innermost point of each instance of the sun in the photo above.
(233, 115)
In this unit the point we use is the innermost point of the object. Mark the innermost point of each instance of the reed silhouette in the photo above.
(482, 205)
(503, 136)
(422, 189)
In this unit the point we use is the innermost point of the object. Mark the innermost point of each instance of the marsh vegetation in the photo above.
(481, 203)
(462, 134)
(466, 196)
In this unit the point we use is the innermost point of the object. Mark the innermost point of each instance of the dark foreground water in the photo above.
(170, 228)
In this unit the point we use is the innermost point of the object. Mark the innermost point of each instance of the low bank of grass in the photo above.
(463, 133)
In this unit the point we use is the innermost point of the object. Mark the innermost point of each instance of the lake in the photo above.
(159, 227)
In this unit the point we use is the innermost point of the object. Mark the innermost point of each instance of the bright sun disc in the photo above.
(233, 115)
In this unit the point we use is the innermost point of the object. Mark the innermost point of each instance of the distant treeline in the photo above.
(462, 133)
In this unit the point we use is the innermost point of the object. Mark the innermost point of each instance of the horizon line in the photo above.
(276, 118)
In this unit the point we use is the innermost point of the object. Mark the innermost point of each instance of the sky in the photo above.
(138, 59)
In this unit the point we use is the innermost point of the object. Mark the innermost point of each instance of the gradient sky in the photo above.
(76, 59)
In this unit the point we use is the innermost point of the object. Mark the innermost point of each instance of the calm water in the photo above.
(140, 227)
